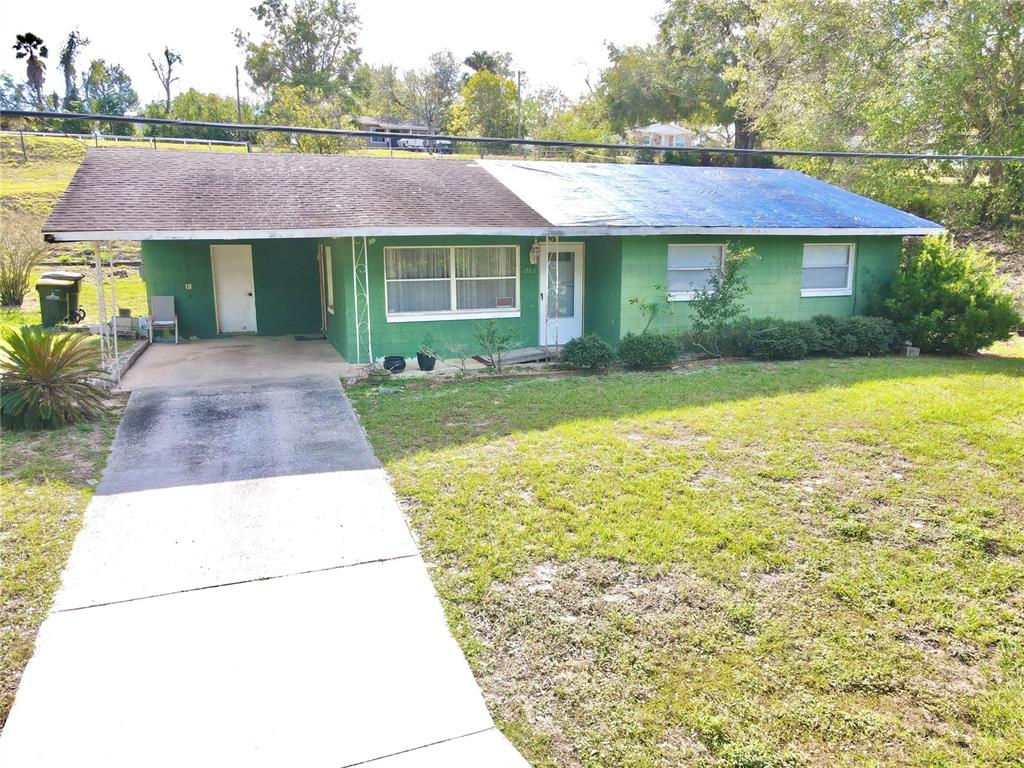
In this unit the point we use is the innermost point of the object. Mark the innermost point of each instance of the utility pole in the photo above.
(519, 110)
(238, 95)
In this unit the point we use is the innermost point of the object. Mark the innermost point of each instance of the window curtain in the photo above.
(485, 278)
(418, 279)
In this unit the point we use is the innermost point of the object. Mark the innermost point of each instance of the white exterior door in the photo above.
(561, 293)
(233, 288)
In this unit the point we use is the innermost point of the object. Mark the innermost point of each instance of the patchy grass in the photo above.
(45, 484)
(808, 564)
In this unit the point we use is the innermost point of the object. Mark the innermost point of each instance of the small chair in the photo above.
(162, 315)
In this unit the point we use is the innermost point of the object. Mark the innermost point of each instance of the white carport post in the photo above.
(114, 315)
(101, 305)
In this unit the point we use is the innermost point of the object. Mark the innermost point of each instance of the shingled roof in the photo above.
(133, 194)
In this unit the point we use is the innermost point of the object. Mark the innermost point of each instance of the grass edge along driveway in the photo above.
(44, 490)
(813, 563)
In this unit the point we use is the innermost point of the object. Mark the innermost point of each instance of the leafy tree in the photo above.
(496, 62)
(376, 91)
(582, 120)
(72, 47)
(201, 107)
(308, 43)
(13, 95)
(486, 106)
(430, 93)
(707, 43)
(107, 90)
(292, 105)
(30, 47)
(694, 70)
(165, 72)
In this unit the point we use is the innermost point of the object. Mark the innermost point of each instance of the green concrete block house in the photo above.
(378, 253)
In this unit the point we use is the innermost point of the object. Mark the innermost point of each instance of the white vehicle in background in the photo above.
(413, 145)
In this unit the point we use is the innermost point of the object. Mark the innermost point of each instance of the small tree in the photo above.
(719, 303)
(949, 299)
(650, 310)
(21, 250)
(494, 342)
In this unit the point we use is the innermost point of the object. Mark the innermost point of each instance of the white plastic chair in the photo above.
(162, 315)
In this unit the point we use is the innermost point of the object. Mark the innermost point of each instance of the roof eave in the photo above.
(56, 236)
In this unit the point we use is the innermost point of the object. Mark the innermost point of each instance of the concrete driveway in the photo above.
(245, 592)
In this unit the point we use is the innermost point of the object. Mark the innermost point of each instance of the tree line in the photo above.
(891, 75)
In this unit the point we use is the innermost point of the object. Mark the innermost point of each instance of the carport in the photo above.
(235, 360)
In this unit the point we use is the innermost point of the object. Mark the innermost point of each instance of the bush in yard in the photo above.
(857, 335)
(775, 339)
(871, 335)
(45, 378)
(949, 299)
(590, 351)
(648, 350)
(21, 250)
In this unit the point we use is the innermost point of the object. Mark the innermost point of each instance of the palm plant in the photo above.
(31, 47)
(46, 378)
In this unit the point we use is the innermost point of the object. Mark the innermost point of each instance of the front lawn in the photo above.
(817, 563)
(46, 481)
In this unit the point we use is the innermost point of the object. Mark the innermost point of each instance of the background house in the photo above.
(385, 127)
(377, 253)
(664, 135)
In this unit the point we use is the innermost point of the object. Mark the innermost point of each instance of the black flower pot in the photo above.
(426, 362)
(394, 363)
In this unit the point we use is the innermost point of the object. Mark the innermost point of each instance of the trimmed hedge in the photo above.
(648, 350)
(822, 335)
(590, 351)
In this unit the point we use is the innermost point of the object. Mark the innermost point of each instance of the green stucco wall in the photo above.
(773, 278)
(602, 287)
(284, 275)
(450, 337)
(616, 269)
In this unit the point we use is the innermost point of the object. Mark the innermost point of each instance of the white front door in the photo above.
(561, 293)
(233, 288)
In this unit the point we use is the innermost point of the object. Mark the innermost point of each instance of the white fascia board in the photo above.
(582, 231)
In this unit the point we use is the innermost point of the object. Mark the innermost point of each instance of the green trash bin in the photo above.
(58, 298)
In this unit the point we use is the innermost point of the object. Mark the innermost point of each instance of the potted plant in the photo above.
(394, 363)
(426, 357)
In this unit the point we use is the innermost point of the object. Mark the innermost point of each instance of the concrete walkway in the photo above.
(245, 592)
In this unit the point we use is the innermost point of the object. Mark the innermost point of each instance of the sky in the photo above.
(556, 42)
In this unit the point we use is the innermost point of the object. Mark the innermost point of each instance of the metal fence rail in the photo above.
(97, 137)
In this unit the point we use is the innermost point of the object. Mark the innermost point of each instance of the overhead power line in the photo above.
(492, 140)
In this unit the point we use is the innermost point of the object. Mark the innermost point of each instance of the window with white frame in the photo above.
(690, 268)
(827, 269)
(679, 141)
(451, 281)
(329, 278)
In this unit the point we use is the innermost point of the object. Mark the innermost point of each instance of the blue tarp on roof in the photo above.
(675, 196)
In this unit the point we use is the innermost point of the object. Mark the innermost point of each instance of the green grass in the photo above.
(44, 489)
(817, 563)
